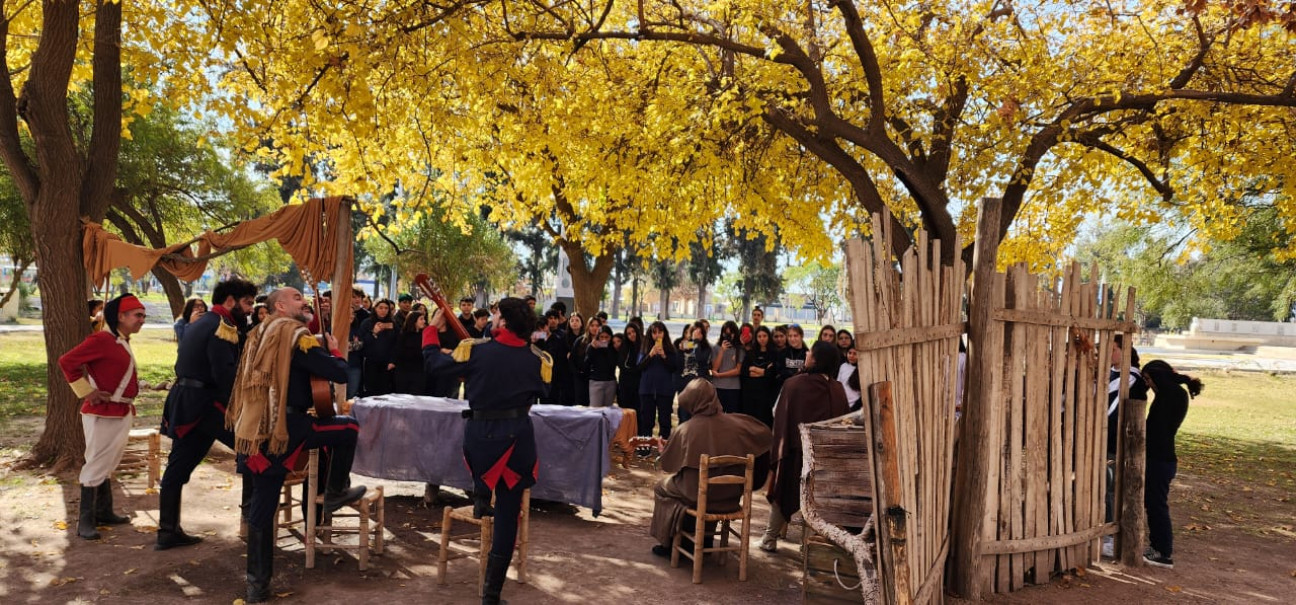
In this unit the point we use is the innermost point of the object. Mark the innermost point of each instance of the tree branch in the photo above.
(105, 137)
(1203, 46)
(1094, 141)
(868, 60)
(20, 165)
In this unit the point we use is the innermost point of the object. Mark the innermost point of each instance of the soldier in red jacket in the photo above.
(101, 370)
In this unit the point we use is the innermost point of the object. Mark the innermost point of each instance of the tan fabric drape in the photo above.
(306, 231)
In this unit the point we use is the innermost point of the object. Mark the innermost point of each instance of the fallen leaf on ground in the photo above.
(129, 571)
(283, 595)
(60, 525)
(1174, 588)
(1079, 572)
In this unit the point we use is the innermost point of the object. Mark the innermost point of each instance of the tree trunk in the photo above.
(57, 234)
(171, 285)
(634, 297)
(701, 302)
(17, 279)
(665, 304)
(587, 282)
(617, 282)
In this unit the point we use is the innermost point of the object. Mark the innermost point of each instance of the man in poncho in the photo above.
(710, 431)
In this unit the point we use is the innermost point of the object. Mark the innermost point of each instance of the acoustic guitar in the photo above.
(322, 393)
(429, 290)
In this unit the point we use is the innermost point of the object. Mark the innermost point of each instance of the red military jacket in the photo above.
(103, 362)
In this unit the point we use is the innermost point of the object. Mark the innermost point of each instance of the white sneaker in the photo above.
(1109, 547)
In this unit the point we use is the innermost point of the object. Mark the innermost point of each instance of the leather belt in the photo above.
(496, 414)
(192, 383)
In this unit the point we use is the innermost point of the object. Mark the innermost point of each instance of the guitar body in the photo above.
(322, 396)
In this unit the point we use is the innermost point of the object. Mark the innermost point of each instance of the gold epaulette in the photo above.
(227, 332)
(306, 342)
(464, 350)
(546, 364)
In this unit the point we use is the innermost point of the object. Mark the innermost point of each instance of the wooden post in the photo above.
(341, 284)
(1133, 443)
(893, 549)
(975, 455)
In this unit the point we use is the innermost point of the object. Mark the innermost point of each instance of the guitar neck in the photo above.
(452, 320)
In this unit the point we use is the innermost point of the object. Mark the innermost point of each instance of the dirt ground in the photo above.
(1232, 545)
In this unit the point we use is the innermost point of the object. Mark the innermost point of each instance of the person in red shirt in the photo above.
(101, 370)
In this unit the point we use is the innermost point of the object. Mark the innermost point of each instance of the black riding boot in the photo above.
(86, 520)
(260, 564)
(338, 491)
(169, 534)
(104, 505)
(496, 571)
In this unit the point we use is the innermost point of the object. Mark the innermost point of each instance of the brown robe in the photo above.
(805, 398)
(712, 432)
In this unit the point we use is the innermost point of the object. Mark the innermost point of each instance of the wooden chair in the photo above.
(143, 454)
(484, 533)
(723, 520)
(368, 510)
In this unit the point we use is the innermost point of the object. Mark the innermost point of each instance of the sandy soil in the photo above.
(1240, 549)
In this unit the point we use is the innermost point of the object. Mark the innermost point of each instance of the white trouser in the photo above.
(105, 439)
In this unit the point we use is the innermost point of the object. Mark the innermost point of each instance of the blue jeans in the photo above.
(353, 381)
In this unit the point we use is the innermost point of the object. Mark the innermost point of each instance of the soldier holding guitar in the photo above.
(272, 429)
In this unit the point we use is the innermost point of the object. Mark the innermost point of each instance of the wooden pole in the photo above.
(1133, 443)
(975, 455)
(341, 284)
(886, 451)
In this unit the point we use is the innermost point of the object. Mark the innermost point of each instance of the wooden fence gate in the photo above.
(908, 321)
(1033, 454)
(1032, 474)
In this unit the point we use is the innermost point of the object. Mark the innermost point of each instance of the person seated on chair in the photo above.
(710, 431)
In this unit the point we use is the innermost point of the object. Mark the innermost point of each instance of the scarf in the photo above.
(258, 402)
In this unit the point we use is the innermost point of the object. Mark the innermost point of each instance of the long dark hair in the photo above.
(638, 339)
(1163, 376)
(769, 339)
(827, 359)
(648, 342)
(411, 322)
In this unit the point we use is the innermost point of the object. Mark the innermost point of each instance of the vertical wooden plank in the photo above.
(973, 476)
(1017, 374)
(1057, 377)
(1035, 451)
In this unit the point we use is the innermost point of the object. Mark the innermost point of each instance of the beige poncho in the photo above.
(257, 409)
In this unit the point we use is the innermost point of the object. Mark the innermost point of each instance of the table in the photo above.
(415, 438)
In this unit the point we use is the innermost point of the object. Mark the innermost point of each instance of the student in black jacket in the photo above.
(601, 364)
(379, 336)
(1167, 412)
(792, 358)
(407, 357)
(628, 367)
(759, 378)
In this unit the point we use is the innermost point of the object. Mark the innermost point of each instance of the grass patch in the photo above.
(22, 371)
(1241, 429)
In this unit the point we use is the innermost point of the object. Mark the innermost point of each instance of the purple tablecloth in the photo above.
(412, 438)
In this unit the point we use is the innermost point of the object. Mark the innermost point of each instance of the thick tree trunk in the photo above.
(57, 233)
(665, 303)
(634, 297)
(587, 282)
(701, 301)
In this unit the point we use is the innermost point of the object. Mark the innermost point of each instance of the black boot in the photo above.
(86, 520)
(260, 564)
(104, 505)
(481, 505)
(338, 491)
(496, 571)
(169, 534)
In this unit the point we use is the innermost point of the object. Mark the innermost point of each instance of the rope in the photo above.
(837, 577)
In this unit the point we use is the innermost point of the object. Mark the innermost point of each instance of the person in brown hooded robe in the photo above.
(811, 396)
(712, 432)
